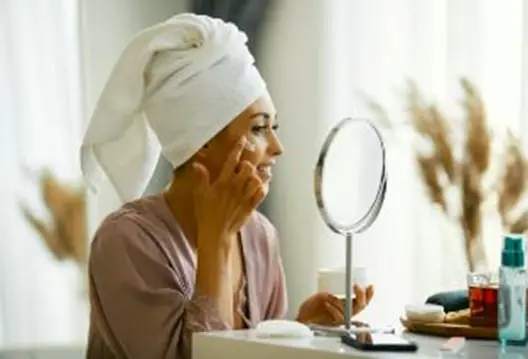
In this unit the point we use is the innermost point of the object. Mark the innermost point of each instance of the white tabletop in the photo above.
(245, 344)
(72, 351)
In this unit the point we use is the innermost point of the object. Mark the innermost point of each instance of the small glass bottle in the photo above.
(512, 292)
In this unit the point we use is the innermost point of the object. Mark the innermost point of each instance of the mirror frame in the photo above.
(364, 222)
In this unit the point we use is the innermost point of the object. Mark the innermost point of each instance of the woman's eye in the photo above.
(263, 130)
(258, 129)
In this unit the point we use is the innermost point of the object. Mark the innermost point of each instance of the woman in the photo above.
(198, 256)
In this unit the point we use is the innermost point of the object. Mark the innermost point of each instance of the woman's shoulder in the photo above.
(149, 209)
(135, 223)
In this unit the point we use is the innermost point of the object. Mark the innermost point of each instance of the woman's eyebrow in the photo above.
(266, 115)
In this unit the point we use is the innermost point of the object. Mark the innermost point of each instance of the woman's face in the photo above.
(258, 123)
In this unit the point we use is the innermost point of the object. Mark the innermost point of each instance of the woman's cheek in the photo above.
(253, 149)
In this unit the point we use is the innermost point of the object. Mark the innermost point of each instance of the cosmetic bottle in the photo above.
(512, 292)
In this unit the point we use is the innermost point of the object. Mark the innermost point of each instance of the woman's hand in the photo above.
(326, 309)
(223, 206)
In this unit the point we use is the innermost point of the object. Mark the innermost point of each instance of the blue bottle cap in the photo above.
(513, 254)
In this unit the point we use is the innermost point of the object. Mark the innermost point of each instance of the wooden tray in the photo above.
(449, 330)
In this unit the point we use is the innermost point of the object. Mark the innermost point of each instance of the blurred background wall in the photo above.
(320, 58)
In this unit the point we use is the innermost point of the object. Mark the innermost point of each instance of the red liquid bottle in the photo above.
(483, 305)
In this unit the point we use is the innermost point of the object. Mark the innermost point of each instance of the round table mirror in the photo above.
(350, 185)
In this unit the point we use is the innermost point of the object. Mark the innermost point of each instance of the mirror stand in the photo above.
(348, 278)
(349, 144)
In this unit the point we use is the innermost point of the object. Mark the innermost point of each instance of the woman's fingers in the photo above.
(360, 301)
(326, 309)
(247, 191)
(250, 184)
(232, 162)
(257, 197)
(363, 298)
(370, 293)
(238, 180)
(358, 324)
(336, 303)
(241, 176)
(336, 316)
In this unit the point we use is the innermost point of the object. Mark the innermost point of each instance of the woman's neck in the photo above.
(180, 199)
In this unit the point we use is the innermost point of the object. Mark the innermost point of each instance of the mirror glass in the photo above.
(351, 176)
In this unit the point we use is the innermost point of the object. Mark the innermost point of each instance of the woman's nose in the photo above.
(275, 145)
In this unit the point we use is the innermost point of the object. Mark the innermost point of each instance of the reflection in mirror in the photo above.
(353, 172)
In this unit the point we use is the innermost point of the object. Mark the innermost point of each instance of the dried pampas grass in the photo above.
(427, 167)
(441, 169)
(65, 234)
(512, 187)
(430, 123)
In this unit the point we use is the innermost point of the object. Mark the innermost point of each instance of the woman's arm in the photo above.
(213, 280)
(138, 300)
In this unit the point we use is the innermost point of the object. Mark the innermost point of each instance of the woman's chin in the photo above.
(265, 176)
(265, 187)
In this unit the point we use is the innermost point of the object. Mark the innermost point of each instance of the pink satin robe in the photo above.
(142, 276)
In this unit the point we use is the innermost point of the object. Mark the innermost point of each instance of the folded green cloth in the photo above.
(451, 301)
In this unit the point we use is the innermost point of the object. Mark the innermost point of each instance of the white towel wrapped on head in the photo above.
(174, 87)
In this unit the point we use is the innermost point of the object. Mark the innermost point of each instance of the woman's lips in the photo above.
(265, 172)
